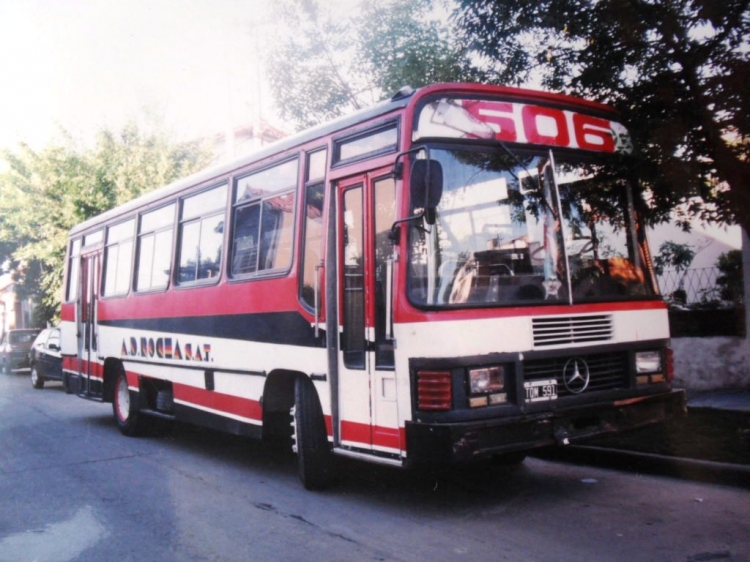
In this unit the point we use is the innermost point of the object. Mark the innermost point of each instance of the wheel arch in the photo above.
(278, 401)
(278, 391)
(112, 366)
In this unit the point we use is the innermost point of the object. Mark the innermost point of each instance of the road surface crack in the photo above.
(271, 508)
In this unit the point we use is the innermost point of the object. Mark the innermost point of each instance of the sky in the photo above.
(81, 65)
(195, 65)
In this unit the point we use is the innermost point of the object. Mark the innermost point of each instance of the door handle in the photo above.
(389, 298)
(316, 290)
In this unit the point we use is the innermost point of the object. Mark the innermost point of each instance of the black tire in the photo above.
(314, 456)
(66, 383)
(129, 420)
(37, 381)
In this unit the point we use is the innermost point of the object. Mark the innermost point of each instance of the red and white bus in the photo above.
(455, 274)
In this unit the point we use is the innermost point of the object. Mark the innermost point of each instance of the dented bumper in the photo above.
(450, 443)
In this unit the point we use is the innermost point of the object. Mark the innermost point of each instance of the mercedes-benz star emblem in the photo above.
(576, 375)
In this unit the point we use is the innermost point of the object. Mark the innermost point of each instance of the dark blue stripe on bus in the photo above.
(286, 328)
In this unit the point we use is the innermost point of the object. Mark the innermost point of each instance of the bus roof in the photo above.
(401, 99)
(397, 102)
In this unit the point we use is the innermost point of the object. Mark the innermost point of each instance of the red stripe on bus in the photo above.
(276, 295)
(71, 364)
(381, 436)
(409, 314)
(235, 405)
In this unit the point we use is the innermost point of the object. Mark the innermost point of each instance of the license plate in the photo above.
(541, 391)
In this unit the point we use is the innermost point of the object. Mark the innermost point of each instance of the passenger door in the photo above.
(367, 384)
(89, 369)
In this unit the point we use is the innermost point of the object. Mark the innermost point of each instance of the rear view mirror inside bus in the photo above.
(426, 186)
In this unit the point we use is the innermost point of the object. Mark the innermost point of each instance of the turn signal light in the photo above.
(434, 390)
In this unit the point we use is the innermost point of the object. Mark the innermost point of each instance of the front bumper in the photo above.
(450, 443)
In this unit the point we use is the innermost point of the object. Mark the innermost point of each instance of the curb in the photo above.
(686, 469)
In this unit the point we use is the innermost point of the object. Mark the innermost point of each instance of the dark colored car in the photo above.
(45, 359)
(15, 347)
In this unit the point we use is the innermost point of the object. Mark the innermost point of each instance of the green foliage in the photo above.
(45, 193)
(730, 281)
(310, 62)
(325, 64)
(402, 44)
(674, 255)
(677, 71)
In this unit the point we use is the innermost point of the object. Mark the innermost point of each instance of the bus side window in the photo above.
(247, 223)
(312, 238)
(117, 258)
(202, 235)
(264, 210)
(155, 249)
(74, 263)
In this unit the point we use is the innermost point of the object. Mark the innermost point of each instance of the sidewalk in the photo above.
(716, 429)
(711, 443)
(734, 400)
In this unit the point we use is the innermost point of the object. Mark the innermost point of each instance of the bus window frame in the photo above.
(308, 158)
(177, 242)
(172, 249)
(99, 244)
(105, 257)
(371, 130)
(308, 184)
(235, 205)
(73, 261)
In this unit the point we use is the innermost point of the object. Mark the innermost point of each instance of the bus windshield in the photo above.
(537, 227)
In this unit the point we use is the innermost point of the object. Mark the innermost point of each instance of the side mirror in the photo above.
(54, 347)
(426, 186)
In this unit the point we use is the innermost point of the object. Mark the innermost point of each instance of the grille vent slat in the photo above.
(571, 329)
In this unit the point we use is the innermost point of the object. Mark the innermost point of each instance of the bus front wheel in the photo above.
(314, 457)
(129, 419)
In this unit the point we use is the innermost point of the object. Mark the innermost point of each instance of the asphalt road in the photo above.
(73, 488)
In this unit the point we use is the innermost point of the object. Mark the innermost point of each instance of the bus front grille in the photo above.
(607, 371)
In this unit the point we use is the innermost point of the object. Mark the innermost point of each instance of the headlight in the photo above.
(485, 380)
(648, 362)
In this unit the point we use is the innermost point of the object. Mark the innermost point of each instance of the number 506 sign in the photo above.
(522, 123)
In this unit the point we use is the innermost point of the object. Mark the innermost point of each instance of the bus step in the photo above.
(157, 414)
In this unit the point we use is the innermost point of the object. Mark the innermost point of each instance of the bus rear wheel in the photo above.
(314, 456)
(129, 419)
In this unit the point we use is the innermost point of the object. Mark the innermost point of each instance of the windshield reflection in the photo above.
(536, 228)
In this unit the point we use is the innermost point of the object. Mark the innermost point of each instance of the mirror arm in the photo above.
(398, 164)
(398, 172)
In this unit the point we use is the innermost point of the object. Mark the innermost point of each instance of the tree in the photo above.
(325, 64)
(674, 255)
(676, 70)
(45, 193)
(729, 281)
(679, 257)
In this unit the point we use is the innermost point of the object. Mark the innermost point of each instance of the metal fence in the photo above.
(692, 286)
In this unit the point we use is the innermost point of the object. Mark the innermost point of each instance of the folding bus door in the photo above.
(89, 369)
(367, 385)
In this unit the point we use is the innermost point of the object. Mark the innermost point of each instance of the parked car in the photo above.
(15, 347)
(45, 359)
